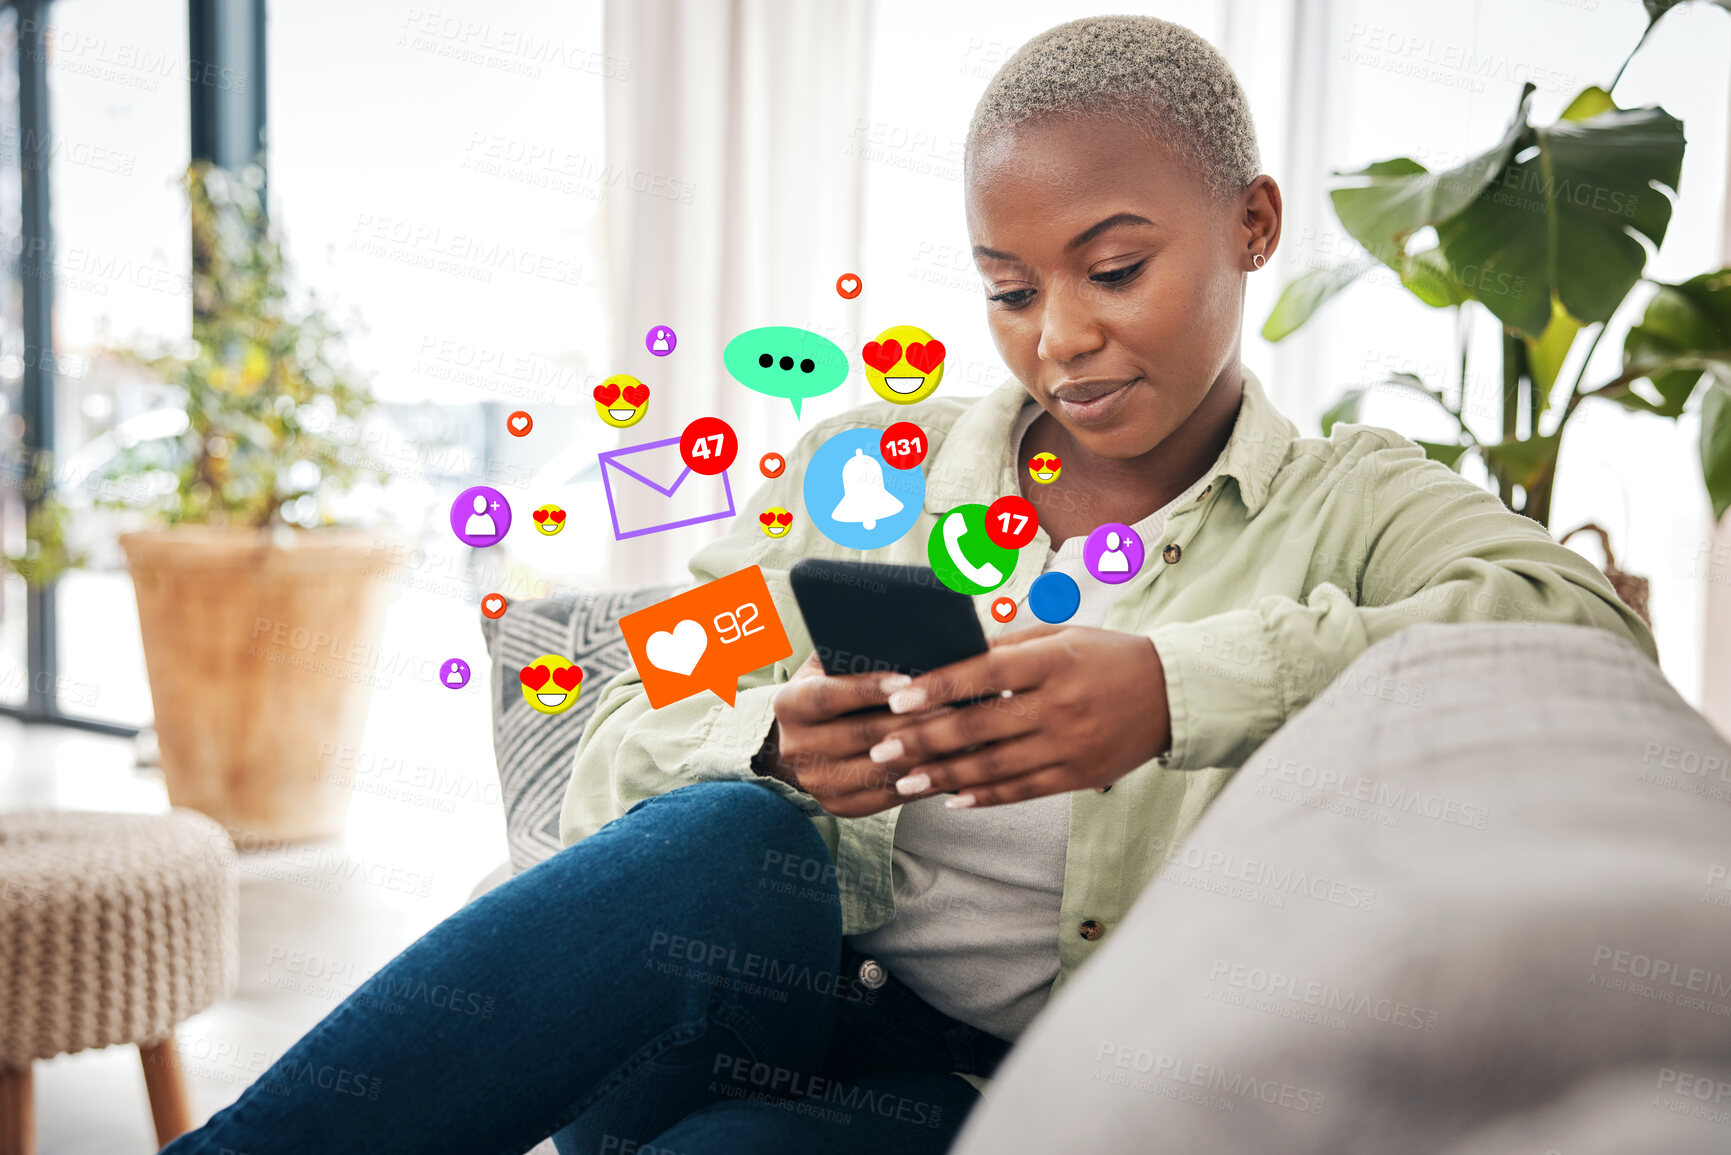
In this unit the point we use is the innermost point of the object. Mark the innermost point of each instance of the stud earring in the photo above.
(1258, 260)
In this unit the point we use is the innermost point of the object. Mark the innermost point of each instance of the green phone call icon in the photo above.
(963, 557)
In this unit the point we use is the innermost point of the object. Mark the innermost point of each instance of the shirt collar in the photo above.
(977, 457)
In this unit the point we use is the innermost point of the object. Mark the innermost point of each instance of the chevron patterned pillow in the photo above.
(534, 750)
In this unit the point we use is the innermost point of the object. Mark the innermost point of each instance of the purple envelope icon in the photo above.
(641, 505)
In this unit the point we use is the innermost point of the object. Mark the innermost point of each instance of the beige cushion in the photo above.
(1482, 875)
(113, 928)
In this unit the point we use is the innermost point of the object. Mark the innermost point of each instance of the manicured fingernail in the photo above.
(887, 751)
(893, 682)
(907, 700)
(914, 784)
(959, 802)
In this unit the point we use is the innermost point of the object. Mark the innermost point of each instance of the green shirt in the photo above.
(1299, 554)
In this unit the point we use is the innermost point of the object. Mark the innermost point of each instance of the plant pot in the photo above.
(260, 657)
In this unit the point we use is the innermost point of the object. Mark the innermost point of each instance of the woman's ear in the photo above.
(1260, 220)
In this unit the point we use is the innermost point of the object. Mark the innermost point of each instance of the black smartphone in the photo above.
(868, 617)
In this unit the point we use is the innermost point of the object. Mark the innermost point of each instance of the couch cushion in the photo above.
(1483, 871)
(534, 750)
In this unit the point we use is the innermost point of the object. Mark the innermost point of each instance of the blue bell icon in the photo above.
(863, 497)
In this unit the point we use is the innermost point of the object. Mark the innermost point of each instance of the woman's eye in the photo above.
(1015, 298)
(1114, 276)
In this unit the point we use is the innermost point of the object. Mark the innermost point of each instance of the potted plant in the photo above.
(259, 614)
(1542, 231)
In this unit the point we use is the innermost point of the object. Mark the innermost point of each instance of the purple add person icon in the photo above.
(480, 516)
(1113, 553)
(661, 340)
(454, 673)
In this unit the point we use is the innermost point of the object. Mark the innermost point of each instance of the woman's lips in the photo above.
(1094, 407)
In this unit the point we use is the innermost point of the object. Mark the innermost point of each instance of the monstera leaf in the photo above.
(1685, 332)
(1562, 218)
(1400, 196)
(1716, 448)
(1306, 294)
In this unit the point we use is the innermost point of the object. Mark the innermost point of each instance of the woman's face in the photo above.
(1114, 280)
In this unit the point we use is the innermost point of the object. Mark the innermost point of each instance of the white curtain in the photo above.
(1713, 568)
(748, 105)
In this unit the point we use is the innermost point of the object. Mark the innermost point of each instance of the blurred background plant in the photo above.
(1549, 230)
(273, 411)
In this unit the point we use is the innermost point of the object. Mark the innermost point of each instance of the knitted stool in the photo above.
(113, 928)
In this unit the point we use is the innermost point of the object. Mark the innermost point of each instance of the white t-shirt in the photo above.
(978, 892)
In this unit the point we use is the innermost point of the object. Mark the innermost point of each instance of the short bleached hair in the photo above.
(1153, 75)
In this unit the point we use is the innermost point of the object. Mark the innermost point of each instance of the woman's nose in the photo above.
(1068, 327)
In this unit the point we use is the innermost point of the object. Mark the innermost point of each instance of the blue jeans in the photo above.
(675, 984)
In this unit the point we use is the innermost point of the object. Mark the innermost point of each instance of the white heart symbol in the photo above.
(493, 605)
(773, 462)
(850, 284)
(677, 652)
(519, 422)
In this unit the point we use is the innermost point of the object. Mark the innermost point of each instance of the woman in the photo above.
(782, 926)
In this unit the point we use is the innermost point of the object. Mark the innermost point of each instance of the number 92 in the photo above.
(737, 623)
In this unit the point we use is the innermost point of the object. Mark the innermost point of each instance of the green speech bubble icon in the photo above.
(782, 361)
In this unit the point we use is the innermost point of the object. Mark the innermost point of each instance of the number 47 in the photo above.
(701, 449)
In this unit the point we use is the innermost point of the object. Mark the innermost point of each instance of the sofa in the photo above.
(1475, 899)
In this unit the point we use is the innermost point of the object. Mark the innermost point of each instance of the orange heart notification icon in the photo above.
(705, 638)
(1004, 609)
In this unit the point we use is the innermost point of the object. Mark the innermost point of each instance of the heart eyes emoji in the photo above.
(621, 400)
(775, 521)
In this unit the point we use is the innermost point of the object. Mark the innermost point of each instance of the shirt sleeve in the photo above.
(1432, 547)
(630, 751)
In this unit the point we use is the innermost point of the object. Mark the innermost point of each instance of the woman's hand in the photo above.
(823, 747)
(1071, 707)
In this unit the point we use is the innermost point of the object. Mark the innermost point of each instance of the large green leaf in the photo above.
(1716, 449)
(1399, 197)
(1305, 295)
(1522, 461)
(1445, 452)
(1343, 410)
(1685, 333)
(1428, 276)
(1545, 356)
(1562, 219)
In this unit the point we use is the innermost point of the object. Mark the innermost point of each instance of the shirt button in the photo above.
(1092, 930)
(873, 974)
(1172, 553)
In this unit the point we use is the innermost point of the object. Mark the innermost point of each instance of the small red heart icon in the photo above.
(882, 357)
(606, 394)
(568, 677)
(534, 677)
(636, 395)
(539, 515)
(1054, 463)
(766, 517)
(784, 518)
(558, 516)
(926, 356)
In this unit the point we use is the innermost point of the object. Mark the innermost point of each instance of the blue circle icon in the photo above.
(1054, 597)
(854, 498)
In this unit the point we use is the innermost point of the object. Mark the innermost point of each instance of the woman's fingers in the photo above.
(810, 698)
(1035, 784)
(1005, 667)
(933, 737)
(989, 766)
